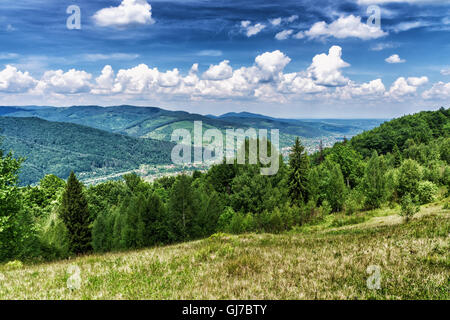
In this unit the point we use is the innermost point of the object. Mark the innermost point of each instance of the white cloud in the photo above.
(445, 71)
(209, 53)
(405, 87)
(265, 80)
(129, 12)
(326, 69)
(221, 71)
(374, 89)
(382, 46)
(251, 30)
(276, 21)
(292, 18)
(405, 26)
(114, 56)
(283, 35)
(8, 56)
(394, 59)
(60, 82)
(15, 81)
(417, 81)
(104, 82)
(345, 27)
(271, 64)
(299, 35)
(439, 91)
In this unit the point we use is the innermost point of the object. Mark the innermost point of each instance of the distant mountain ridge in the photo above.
(157, 123)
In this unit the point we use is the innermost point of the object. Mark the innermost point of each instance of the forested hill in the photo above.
(419, 128)
(57, 148)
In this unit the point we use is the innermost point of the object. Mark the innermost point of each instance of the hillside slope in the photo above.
(155, 122)
(413, 260)
(57, 148)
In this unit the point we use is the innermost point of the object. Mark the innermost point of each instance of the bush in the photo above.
(354, 202)
(409, 207)
(427, 191)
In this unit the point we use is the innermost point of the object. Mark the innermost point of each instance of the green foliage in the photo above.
(90, 149)
(374, 182)
(408, 179)
(422, 127)
(298, 174)
(426, 192)
(74, 212)
(18, 236)
(409, 207)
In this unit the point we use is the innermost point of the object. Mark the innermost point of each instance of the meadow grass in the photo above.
(321, 262)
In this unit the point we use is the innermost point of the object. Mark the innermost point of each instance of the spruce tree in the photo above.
(74, 212)
(398, 158)
(298, 175)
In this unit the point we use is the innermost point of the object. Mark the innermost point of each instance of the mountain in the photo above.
(156, 123)
(58, 148)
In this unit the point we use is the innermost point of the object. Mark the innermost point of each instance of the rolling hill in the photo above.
(156, 123)
(57, 148)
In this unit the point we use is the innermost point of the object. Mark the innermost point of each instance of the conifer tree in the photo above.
(298, 175)
(397, 156)
(74, 212)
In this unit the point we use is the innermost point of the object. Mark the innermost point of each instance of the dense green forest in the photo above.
(59, 148)
(404, 162)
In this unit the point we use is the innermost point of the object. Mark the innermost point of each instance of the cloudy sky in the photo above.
(286, 58)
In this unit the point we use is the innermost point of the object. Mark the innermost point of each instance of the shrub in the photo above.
(409, 207)
(354, 202)
(427, 191)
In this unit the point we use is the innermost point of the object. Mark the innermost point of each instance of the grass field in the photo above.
(320, 262)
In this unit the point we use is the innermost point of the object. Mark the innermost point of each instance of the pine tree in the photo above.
(74, 212)
(298, 175)
(397, 156)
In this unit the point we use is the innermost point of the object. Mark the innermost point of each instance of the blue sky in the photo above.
(282, 58)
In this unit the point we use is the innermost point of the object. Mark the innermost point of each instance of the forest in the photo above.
(404, 163)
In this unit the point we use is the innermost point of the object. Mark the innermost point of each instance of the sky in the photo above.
(283, 58)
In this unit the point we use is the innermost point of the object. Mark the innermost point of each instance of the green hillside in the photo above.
(159, 124)
(58, 148)
(422, 127)
(327, 263)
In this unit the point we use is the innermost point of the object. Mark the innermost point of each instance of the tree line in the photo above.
(57, 219)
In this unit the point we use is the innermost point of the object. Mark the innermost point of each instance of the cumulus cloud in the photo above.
(129, 12)
(15, 81)
(221, 71)
(251, 30)
(394, 59)
(439, 91)
(60, 82)
(326, 68)
(374, 89)
(265, 79)
(405, 87)
(345, 27)
(283, 35)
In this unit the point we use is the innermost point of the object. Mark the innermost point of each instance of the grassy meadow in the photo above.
(325, 260)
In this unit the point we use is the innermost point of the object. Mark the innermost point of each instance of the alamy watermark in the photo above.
(74, 281)
(234, 150)
(374, 280)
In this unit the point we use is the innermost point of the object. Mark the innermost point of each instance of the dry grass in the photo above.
(414, 260)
